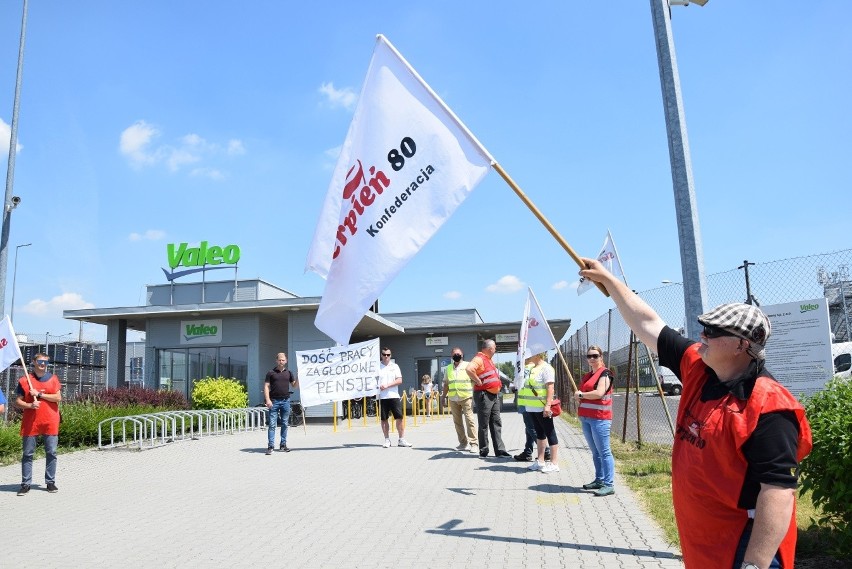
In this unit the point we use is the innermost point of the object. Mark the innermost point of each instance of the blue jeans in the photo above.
(596, 432)
(50, 444)
(279, 407)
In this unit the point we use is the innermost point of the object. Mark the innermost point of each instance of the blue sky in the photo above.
(147, 123)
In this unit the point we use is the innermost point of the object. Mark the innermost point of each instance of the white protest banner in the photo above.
(536, 336)
(339, 373)
(10, 352)
(406, 165)
(609, 258)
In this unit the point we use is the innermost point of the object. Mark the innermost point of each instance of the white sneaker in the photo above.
(473, 448)
(549, 467)
(404, 443)
(536, 465)
(387, 443)
(461, 447)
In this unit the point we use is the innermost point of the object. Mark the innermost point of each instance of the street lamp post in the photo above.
(14, 282)
(11, 202)
(691, 251)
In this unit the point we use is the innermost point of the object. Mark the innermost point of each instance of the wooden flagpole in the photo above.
(532, 207)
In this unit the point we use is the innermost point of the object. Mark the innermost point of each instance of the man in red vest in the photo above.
(488, 399)
(740, 434)
(39, 394)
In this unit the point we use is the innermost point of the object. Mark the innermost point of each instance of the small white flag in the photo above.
(10, 352)
(609, 258)
(536, 337)
(406, 165)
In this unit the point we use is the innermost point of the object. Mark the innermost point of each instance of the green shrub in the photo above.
(827, 472)
(219, 393)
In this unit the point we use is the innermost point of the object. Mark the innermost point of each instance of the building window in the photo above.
(180, 368)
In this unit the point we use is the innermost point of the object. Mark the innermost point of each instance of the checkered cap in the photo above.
(743, 321)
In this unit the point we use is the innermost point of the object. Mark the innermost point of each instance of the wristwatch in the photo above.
(580, 394)
(747, 565)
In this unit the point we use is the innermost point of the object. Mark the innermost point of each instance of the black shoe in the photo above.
(483, 453)
(24, 489)
(503, 454)
(269, 451)
(51, 487)
(524, 457)
(547, 455)
(593, 485)
(284, 448)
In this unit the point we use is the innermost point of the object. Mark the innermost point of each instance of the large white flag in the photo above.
(10, 352)
(406, 165)
(536, 336)
(609, 258)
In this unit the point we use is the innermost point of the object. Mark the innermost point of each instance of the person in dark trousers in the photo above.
(488, 399)
(39, 394)
(740, 434)
(276, 392)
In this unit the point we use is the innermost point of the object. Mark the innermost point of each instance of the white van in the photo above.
(841, 354)
(669, 381)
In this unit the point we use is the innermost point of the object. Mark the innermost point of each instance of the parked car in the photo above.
(669, 381)
(841, 353)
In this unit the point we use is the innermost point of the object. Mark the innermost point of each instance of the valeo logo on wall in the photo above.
(199, 259)
(201, 331)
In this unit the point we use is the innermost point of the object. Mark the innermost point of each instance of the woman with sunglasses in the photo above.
(594, 407)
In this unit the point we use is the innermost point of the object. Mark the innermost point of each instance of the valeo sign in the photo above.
(199, 259)
(201, 331)
(186, 256)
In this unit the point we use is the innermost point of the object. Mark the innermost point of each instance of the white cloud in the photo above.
(6, 138)
(235, 147)
(149, 235)
(55, 306)
(452, 294)
(211, 173)
(345, 97)
(559, 285)
(134, 143)
(506, 285)
(137, 145)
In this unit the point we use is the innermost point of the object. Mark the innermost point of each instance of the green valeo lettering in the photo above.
(198, 330)
(188, 256)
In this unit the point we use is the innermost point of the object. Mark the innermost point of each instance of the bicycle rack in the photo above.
(158, 429)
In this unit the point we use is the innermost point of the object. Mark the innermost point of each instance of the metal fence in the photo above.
(641, 416)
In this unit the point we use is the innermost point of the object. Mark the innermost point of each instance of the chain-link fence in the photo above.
(640, 413)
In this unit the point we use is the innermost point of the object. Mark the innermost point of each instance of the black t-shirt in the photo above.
(771, 449)
(279, 383)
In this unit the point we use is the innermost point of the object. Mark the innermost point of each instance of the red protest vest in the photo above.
(708, 467)
(489, 377)
(45, 419)
(595, 408)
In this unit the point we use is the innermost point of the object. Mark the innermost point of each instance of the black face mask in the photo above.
(457, 357)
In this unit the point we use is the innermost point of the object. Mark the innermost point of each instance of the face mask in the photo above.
(457, 357)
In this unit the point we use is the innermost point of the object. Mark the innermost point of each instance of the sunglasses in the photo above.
(388, 354)
(45, 362)
(592, 356)
(713, 332)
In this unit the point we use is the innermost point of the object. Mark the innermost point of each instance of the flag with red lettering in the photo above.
(536, 336)
(407, 163)
(10, 352)
(609, 258)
